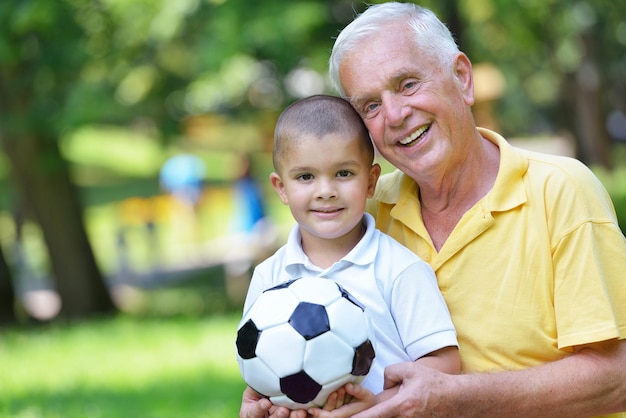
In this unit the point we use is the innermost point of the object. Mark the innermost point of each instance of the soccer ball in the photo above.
(302, 340)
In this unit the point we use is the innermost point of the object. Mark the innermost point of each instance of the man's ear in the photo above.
(279, 186)
(464, 76)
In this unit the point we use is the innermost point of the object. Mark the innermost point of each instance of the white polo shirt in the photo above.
(408, 315)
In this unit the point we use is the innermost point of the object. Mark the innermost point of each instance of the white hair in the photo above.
(431, 35)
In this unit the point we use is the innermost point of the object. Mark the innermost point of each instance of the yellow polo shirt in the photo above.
(535, 267)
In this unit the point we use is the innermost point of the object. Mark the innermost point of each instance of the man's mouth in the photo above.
(415, 136)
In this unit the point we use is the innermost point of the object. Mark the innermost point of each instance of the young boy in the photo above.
(325, 171)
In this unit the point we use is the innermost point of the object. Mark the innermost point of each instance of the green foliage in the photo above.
(76, 62)
(38, 59)
(538, 44)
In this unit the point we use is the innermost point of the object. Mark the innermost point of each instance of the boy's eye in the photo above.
(344, 173)
(305, 177)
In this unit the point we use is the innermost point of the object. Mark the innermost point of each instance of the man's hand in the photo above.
(412, 384)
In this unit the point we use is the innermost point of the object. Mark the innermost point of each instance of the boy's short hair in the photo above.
(318, 116)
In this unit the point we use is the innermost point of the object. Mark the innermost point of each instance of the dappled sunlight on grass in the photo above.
(124, 367)
(200, 396)
(122, 151)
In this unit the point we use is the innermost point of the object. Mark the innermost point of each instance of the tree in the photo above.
(7, 294)
(40, 52)
(560, 58)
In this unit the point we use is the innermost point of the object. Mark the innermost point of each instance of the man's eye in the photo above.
(409, 85)
(370, 109)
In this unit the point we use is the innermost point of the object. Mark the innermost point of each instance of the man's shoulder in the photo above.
(389, 186)
(561, 171)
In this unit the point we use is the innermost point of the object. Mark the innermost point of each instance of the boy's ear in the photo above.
(279, 186)
(373, 179)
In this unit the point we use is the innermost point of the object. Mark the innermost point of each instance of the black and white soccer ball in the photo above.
(302, 340)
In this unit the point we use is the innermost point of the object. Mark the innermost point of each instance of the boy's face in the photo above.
(326, 181)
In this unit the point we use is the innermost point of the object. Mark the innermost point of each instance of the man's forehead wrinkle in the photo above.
(390, 82)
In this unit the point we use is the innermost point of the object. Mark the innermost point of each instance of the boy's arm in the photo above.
(445, 360)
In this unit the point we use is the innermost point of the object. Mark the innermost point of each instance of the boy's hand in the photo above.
(253, 405)
(345, 402)
(337, 399)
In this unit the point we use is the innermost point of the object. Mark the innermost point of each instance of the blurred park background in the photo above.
(121, 281)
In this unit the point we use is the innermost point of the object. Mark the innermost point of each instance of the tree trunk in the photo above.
(42, 179)
(7, 293)
(453, 20)
(591, 135)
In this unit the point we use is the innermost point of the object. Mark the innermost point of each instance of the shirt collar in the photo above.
(506, 193)
(297, 264)
(508, 190)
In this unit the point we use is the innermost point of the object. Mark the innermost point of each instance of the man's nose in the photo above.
(395, 109)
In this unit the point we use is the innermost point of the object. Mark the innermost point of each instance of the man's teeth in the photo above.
(414, 135)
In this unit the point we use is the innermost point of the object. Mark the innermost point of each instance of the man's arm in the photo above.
(591, 381)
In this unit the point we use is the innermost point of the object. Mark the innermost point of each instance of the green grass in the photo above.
(122, 367)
